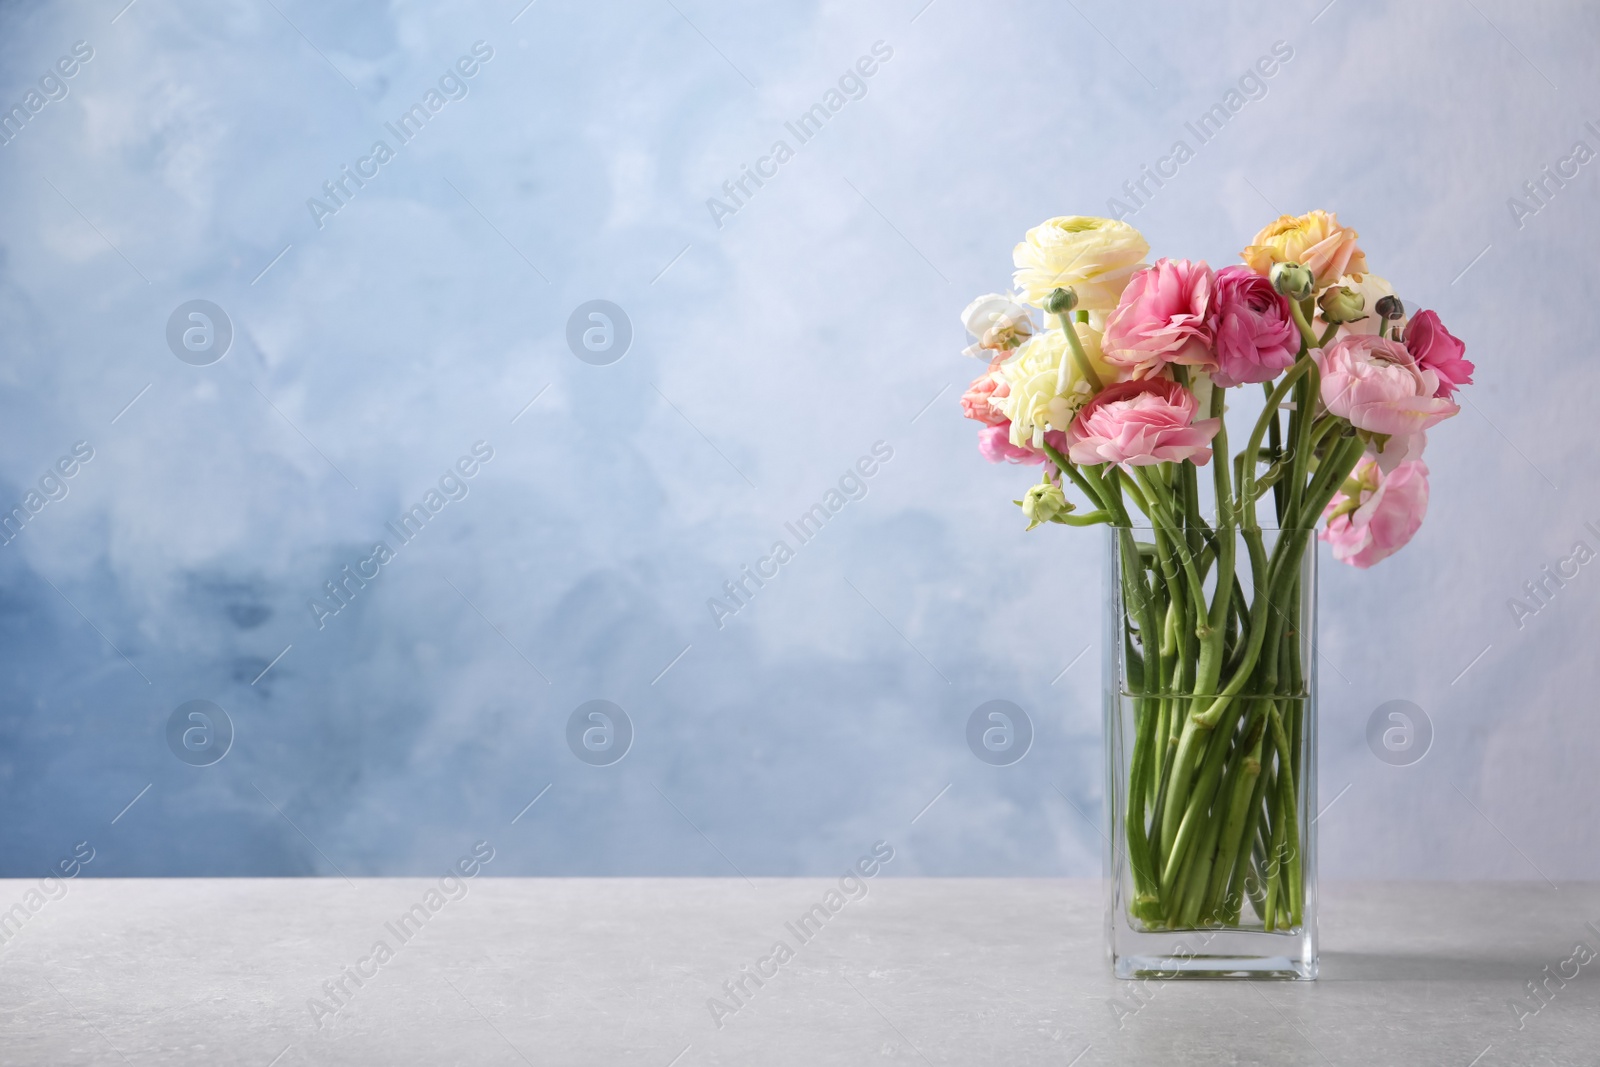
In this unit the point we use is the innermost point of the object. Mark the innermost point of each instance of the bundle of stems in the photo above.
(1212, 652)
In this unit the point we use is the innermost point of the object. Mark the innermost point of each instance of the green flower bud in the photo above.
(1060, 301)
(1044, 502)
(1340, 305)
(1292, 280)
(1390, 307)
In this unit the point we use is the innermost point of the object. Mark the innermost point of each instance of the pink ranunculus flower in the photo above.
(1137, 423)
(1436, 349)
(1376, 384)
(977, 401)
(1161, 319)
(995, 444)
(1253, 334)
(1385, 512)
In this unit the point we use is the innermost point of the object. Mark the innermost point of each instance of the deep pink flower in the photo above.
(1376, 384)
(1253, 334)
(1161, 319)
(1384, 514)
(1436, 349)
(1138, 423)
(977, 401)
(995, 444)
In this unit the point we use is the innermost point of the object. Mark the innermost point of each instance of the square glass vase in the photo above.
(1211, 849)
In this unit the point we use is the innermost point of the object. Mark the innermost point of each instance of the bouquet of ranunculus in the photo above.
(1121, 394)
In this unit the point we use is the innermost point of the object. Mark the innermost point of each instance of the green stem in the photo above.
(1274, 863)
(1209, 668)
(1239, 788)
(1161, 514)
(1179, 785)
(1070, 469)
(1307, 334)
(1258, 609)
(1139, 769)
(1289, 861)
(1198, 878)
(1269, 412)
(1307, 394)
(1079, 356)
(1237, 885)
(1193, 824)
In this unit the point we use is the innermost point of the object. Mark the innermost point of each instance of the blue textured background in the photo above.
(769, 354)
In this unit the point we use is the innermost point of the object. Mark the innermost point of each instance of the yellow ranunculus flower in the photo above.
(1315, 240)
(1092, 256)
(1046, 389)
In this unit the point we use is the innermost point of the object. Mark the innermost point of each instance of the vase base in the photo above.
(1251, 968)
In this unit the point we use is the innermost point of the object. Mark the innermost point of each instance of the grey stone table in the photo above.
(624, 971)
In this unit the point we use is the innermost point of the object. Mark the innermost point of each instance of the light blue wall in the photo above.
(769, 354)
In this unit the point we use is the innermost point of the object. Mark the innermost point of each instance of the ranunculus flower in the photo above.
(995, 444)
(1377, 385)
(1375, 514)
(999, 322)
(1138, 423)
(978, 401)
(1161, 319)
(1253, 335)
(1043, 388)
(1315, 240)
(1436, 349)
(1094, 257)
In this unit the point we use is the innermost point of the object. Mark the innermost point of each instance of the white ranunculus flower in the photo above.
(1046, 388)
(999, 322)
(1092, 256)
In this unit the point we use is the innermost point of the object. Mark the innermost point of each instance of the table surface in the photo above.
(622, 971)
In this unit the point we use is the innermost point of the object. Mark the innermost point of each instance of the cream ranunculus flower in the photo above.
(1046, 389)
(999, 322)
(1315, 240)
(1094, 257)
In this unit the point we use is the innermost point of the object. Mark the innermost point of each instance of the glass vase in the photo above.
(1211, 857)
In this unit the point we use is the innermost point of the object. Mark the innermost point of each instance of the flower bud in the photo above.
(1292, 280)
(1044, 502)
(1060, 301)
(1390, 307)
(1340, 304)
